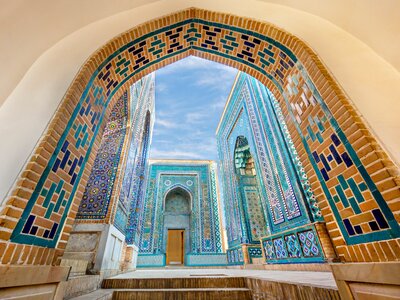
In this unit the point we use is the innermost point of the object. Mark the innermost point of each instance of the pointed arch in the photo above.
(321, 119)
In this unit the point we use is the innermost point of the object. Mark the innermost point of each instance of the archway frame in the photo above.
(174, 187)
(100, 83)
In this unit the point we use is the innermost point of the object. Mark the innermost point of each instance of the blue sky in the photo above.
(190, 98)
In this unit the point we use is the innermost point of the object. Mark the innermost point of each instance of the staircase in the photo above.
(191, 288)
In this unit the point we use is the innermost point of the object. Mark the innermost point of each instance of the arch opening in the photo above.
(177, 201)
(304, 93)
(249, 191)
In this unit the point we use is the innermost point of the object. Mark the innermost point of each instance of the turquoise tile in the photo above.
(356, 191)
(343, 182)
(342, 196)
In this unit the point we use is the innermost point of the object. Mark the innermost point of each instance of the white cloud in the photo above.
(166, 123)
(185, 112)
(157, 153)
(196, 117)
(161, 87)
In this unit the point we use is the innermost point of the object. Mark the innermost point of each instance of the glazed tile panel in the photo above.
(235, 256)
(282, 202)
(143, 118)
(97, 195)
(300, 245)
(254, 252)
(46, 212)
(358, 206)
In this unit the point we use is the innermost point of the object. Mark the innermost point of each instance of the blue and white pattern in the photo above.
(300, 245)
(198, 180)
(253, 119)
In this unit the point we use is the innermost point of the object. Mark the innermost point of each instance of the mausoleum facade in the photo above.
(181, 195)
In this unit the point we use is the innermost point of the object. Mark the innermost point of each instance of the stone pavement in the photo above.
(317, 279)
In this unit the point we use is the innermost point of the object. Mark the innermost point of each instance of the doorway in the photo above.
(175, 242)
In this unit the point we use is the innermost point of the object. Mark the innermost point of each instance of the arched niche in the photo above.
(243, 160)
(177, 216)
(177, 201)
(249, 190)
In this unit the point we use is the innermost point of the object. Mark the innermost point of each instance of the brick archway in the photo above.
(329, 137)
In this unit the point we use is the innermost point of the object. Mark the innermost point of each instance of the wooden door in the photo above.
(175, 246)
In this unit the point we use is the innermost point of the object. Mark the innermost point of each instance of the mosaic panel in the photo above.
(97, 194)
(294, 246)
(150, 260)
(269, 249)
(235, 256)
(48, 207)
(254, 209)
(280, 248)
(308, 243)
(177, 204)
(254, 252)
(358, 206)
(131, 193)
(250, 114)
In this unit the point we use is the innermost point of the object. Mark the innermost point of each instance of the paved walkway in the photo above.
(317, 279)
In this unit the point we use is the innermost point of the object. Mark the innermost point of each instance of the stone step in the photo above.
(175, 283)
(183, 294)
(80, 285)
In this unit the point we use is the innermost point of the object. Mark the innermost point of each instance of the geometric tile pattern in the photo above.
(308, 243)
(250, 117)
(269, 249)
(294, 246)
(348, 197)
(47, 209)
(96, 198)
(254, 252)
(131, 198)
(235, 256)
(217, 259)
(280, 248)
(255, 213)
(150, 260)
